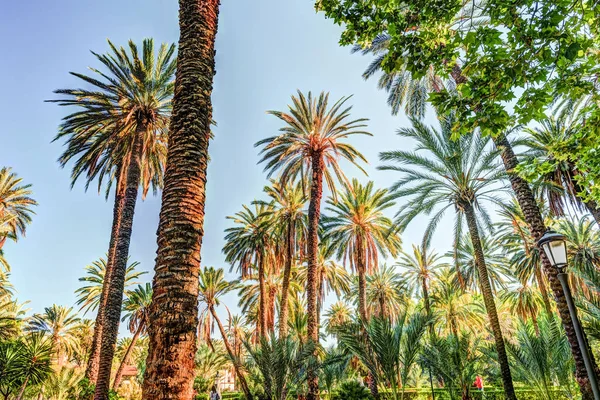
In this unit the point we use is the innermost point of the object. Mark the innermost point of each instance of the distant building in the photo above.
(226, 380)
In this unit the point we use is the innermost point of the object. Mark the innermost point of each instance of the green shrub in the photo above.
(352, 390)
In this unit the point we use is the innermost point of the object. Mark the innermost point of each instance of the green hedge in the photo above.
(224, 396)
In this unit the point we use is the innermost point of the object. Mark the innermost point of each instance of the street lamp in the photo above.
(555, 248)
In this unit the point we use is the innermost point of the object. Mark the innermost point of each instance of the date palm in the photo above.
(15, 207)
(248, 246)
(311, 144)
(212, 286)
(420, 269)
(358, 232)
(337, 316)
(289, 220)
(174, 311)
(60, 324)
(137, 308)
(118, 133)
(88, 296)
(386, 294)
(461, 175)
(525, 302)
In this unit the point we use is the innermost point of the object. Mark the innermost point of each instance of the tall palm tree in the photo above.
(118, 134)
(15, 206)
(311, 144)
(358, 231)
(174, 310)
(290, 223)
(461, 174)
(60, 324)
(420, 269)
(88, 296)
(248, 246)
(212, 286)
(560, 182)
(137, 308)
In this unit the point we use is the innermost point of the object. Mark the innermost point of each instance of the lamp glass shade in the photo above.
(556, 251)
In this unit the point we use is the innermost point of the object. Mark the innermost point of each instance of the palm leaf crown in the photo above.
(15, 205)
(136, 90)
(454, 173)
(312, 130)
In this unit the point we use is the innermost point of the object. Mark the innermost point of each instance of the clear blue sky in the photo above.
(266, 49)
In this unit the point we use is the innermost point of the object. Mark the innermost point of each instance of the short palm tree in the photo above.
(36, 355)
(289, 219)
(420, 269)
(337, 316)
(525, 302)
(15, 207)
(119, 133)
(358, 231)
(248, 247)
(88, 296)
(59, 323)
(460, 174)
(212, 286)
(311, 144)
(137, 309)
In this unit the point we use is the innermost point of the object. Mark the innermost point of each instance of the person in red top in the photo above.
(479, 382)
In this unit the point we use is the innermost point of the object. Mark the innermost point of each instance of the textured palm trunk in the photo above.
(93, 363)
(314, 214)
(488, 299)
(534, 219)
(125, 361)
(236, 366)
(174, 309)
(285, 287)
(22, 391)
(114, 299)
(262, 296)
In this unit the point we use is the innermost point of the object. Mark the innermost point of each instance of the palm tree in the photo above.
(60, 384)
(248, 246)
(137, 308)
(290, 223)
(337, 316)
(388, 351)
(119, 134)
(386, 294)
(465, 265)
(560, 184)
(15, 207)
(212, 286)
(420, 269)
(174, 311)
(59, 323)
(36, 356)
(88, 296)
(357, 231)
(311, 144)
(454, 309)
(525, 302)
(460, 174)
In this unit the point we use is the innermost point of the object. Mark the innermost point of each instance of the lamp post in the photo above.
(555, 247)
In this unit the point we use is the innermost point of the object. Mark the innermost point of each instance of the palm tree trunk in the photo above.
(236, 366)
(314, 215)
(114, 299)
(534, 219)
(174, 309)
(93, 363)
(488, 299)
(119, 374)
(262, 296)
(285, 287)
(23, 387)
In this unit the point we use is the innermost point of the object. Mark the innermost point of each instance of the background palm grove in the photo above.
(355, 263)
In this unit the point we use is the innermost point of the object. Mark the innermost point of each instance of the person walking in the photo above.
(214, 394)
